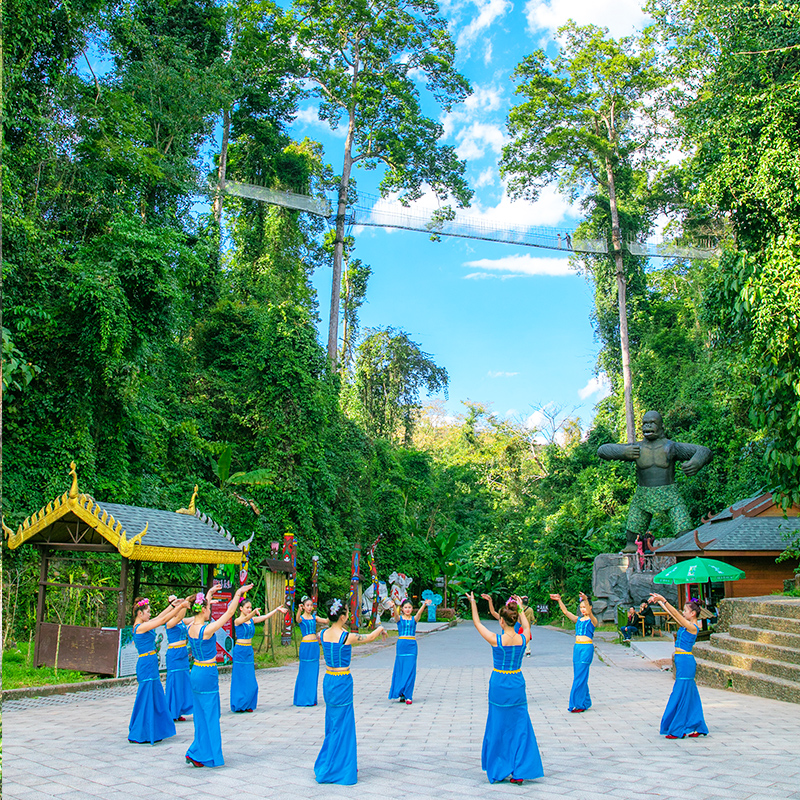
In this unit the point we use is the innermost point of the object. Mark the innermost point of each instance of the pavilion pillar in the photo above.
(137, 578)
(40, 602)
(122, 600)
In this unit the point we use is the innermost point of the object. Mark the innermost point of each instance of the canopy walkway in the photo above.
(371, 211)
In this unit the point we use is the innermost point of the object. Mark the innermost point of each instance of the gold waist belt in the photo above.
(338, 670)
(177, 644)
(211, 663)
(151, 653)
(679, 652)
(583, 640)
(507, 671)
(245, 642)
(311, 637)
(407, 637)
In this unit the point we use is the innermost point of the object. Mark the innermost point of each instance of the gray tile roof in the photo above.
(170, 529)
(742, 533)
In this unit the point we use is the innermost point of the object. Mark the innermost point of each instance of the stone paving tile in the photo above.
(429, 751)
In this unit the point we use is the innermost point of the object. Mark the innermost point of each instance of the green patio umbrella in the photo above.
(698, 570)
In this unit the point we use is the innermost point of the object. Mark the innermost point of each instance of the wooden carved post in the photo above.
(373, 570)
(355, 578)
(290, 555)
(315, 581)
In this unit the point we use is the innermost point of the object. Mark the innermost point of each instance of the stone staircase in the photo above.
(755, 649)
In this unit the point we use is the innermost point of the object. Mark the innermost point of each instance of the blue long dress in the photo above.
(207, 745)
(244, 687)
(404, 674)
(509, 743)
(150, 719)
(582, 655)
(179, 687)
(684, 711)
(305, 687)
(337, 761)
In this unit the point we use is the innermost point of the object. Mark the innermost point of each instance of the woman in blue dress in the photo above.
(244, 687)
(179, 688)
(337, 761)
(404, 674)
(151, 720)
(509, 743)
(582, 652)
(684, 713)
(206, 749)
(305, 687)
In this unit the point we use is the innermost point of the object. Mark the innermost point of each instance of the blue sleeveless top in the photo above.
(145, 642)
(337, 654)
(507, 657)
(584, 627)
(308, 627)
(177, 633)
(203, 649)
(406, 627)
(246, 630)
(685, 640)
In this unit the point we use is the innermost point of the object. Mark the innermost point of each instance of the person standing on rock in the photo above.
(582, 652)
(683, 715)
(655, 459)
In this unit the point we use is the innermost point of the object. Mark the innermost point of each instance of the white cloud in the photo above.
(598, 386)
(520, 266)
(488, 12)
(475, 138)
(486, 178)
(621, 17)
(484, 101)
(310, 116)
(491, 374)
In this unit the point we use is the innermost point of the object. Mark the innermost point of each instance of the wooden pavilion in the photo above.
(76, 522)
(750, 535)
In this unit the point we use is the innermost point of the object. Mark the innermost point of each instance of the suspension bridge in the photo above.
(371, 211)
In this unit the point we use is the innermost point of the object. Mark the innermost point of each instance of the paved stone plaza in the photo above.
(75, 746)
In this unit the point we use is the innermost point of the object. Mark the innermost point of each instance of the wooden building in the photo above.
(750, 535)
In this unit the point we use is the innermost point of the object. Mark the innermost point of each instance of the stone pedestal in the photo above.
(610, 584)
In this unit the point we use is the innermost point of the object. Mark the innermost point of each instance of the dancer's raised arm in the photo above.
(588, 608)
(673, 612)
(212, 627)
(418, 615)
(476, 621)
(564, 610)
(488, 599)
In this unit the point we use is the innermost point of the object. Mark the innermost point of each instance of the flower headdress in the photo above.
(197, 606)
(336, 605)
(143, 602)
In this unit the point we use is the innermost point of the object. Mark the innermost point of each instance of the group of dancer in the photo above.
(509, 750)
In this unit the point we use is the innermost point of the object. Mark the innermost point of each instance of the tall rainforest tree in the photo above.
(736, 66)
(366, 60)
(580, 124)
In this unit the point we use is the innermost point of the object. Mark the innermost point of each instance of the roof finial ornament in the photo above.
(191, 510)
(73, 490)
(6, 530)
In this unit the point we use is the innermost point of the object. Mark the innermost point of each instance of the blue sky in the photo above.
(511, 324)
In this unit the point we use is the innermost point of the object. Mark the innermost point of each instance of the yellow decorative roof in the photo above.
(187, 536)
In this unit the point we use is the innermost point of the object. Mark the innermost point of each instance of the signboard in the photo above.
(128, 655)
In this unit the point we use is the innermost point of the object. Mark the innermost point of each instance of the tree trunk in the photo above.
(223, 165)
(616, 240)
